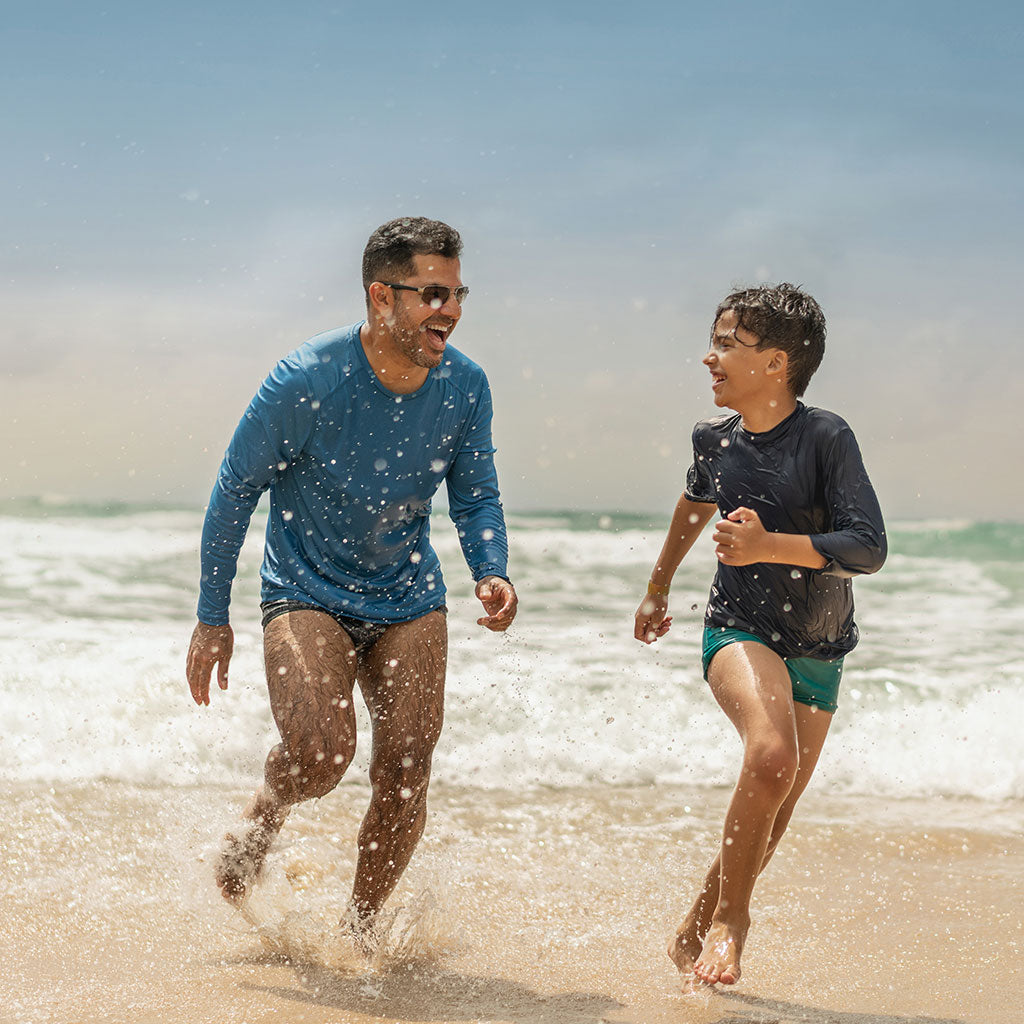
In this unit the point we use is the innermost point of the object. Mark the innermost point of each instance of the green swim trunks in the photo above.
(814, 682)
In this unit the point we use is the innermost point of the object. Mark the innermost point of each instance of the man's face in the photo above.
(420, 332)
(738, 368)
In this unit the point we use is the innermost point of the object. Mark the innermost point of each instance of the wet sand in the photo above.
(550, 907)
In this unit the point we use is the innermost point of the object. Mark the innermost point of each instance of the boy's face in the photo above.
(741, 372)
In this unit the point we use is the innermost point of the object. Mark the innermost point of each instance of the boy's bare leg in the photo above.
(684, 949)
(311, 667)
(403, 682)
(751, 684)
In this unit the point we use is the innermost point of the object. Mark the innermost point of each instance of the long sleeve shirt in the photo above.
(804, 476)
(352, 468)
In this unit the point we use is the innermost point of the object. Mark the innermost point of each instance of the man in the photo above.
(353, 433)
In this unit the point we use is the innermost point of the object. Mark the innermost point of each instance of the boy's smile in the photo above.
(742, 375)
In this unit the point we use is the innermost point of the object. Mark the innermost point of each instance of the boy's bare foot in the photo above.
(683, 950)
(719, 960)
(243, 853)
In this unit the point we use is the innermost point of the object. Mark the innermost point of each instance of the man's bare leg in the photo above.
(402, 679)
(311, 668)
(684, 949)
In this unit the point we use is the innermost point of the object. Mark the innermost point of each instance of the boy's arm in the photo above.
(856, 543)
(689, 518)
(741, 539)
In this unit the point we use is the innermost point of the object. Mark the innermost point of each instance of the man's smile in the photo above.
(437, 335)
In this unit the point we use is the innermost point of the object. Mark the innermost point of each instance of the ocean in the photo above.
(578, 793)
(97, 604)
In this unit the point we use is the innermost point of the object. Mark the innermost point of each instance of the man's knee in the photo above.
(402, 775)
(309, 769)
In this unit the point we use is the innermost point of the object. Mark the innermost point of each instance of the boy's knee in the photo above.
(772, 764)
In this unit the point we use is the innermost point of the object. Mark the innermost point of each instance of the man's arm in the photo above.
(270, 434)
(474, 505)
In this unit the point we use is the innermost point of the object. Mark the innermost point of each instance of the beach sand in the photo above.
(547, 907)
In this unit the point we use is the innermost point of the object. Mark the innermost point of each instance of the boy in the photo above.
(799, 518)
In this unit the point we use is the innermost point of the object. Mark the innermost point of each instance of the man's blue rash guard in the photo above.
(803, 476)
(352, 468)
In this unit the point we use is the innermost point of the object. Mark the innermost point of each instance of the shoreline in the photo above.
(545, 907)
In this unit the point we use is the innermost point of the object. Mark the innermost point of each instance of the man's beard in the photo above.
(409, 340)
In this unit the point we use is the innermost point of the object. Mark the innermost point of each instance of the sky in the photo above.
(186, 191)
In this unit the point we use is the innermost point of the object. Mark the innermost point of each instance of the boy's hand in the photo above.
(651, 621)
(741, 539)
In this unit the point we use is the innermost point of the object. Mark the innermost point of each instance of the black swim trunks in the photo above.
(362, 634)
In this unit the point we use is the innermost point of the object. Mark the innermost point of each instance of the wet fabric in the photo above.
(804, 476)
(814, 682)
(362, 634)
(352, 468)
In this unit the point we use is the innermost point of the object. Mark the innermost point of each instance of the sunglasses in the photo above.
(434, 295)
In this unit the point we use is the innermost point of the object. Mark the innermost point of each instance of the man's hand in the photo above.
(741, 539)
(499, 599)
(651, 620)
(210, 645)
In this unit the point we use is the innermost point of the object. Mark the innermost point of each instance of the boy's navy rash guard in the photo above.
(803, 476)
(352, 468)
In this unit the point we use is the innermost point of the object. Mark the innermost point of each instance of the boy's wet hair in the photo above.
(389, 253)
(784, 317)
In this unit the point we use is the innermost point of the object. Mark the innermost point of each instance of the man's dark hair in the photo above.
(784, 317)
(389, 253)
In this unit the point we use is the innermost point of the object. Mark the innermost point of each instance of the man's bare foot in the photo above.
(683, 950)
(242, 855)
(719, 960)
(364, 929)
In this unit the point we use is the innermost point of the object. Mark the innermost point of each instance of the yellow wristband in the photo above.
(661, 589)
